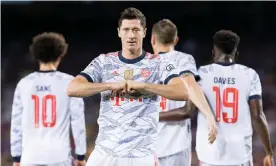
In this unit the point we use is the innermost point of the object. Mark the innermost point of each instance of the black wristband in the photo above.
(16, 159)
(80, 157)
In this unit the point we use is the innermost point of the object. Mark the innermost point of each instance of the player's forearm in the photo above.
(80, 142)
(78, 88)
(16, 146)
(170, 91)
(16, 142)
(178, 114)
(16, 149)
(174, 115)
(16, 131)
(197, 96)
(261, 127)
(79, 134)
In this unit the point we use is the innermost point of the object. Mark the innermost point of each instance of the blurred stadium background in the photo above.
(90, 29)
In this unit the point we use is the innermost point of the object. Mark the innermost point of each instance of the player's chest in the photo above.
(141, 74)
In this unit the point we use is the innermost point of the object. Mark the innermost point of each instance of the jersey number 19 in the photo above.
(234, 104)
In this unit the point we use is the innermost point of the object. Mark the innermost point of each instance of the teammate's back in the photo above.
(228, 88)
(234, 92)
(42, 112)
(173, 145)
(46, 114)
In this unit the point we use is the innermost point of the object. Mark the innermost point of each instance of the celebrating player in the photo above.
(128, 115)
(174, 137)
(235, 94)
(42, 111)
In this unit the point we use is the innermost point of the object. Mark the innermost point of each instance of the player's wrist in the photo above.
(80, 157)
(16, 159)
(108, 86)
(269, 153)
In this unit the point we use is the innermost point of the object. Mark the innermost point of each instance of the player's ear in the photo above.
(176, 40)
(118, 29)
(236, 55)
(213, 54)
(152, 40)
(145, 32)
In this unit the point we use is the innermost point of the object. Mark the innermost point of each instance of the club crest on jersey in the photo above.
(145, 73)
(170, 67)
(128, 75)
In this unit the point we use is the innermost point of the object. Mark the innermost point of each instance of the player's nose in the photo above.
(131, 34)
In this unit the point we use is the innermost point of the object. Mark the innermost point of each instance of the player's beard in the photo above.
(133, 48)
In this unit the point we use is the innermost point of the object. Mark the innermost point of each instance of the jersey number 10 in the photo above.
(49, 98)
(234, 104)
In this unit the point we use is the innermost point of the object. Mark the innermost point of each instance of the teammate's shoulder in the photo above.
(111, 54)
(149, 55)
(102, 56)
(26, 78)
(182, 57)
(244, 68)
(183, 54)
(29, 76)
(65, 76)
(204, 68)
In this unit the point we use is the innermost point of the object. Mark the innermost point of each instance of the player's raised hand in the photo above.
(16, 164)
(212, 129)
(268, 160)
(80, 163)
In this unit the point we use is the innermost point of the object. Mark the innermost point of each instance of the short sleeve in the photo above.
(167, 71)
(187, 65)
(93, 72)
(255, 90)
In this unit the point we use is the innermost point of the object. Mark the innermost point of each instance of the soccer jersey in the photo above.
(128, 124)
(228, 88)
(41, 117)
(175, 136)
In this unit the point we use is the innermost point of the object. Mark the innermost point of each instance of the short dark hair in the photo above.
(226, 40)
(165, 30)
(131, 14)
(48, 47)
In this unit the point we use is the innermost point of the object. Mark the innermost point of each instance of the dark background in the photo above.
(90, 29)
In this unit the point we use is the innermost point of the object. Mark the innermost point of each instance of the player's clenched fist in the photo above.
(118, 86)
(133, 86)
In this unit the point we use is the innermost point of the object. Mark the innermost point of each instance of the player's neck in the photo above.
(163, 48)
(131, 54)
(226, 59)
(47, 66)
